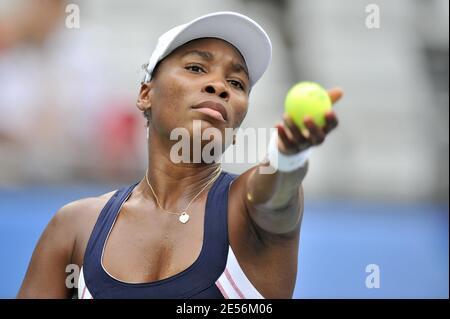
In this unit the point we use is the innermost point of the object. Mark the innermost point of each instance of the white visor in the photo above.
(242, 32)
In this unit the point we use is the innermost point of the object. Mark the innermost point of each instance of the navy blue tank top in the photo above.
(197, 281)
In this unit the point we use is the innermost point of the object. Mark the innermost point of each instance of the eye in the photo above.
(237, 84)
(195, 68)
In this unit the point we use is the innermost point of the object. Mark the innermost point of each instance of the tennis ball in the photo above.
(307, 98)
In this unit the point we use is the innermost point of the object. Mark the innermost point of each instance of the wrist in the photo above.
(283, 162)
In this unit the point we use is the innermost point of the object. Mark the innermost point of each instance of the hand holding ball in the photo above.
(307, 99)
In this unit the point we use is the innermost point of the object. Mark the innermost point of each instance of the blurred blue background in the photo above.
(377, 190)
(339, 239)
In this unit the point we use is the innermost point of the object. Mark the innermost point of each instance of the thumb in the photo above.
(335, 94)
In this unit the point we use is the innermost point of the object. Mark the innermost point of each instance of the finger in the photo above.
(294, 130)
(335, 94)
(287, 143)
(285, 135)
(317, 136)
(331, 122)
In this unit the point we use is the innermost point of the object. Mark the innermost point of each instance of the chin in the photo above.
(205, 123)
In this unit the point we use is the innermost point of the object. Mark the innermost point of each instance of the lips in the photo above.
(213, 109)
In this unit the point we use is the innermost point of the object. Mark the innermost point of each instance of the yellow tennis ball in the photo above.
(307, 98)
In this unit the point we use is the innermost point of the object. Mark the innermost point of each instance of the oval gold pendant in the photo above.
(184, 218)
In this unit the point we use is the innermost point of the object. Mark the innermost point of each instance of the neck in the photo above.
(175, 184)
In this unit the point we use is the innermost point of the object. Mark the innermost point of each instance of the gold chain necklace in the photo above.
(183, 216)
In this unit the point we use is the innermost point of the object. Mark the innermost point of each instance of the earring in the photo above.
(148, 132)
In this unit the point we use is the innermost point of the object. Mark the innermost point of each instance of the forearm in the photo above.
(274, 192)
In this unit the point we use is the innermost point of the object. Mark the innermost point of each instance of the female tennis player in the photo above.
(190, 230)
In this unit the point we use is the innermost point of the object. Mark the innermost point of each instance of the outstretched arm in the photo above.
(275, 201)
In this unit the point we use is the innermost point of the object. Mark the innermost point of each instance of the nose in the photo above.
(217, 88)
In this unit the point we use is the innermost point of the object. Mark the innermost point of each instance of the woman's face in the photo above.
(204, 70)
